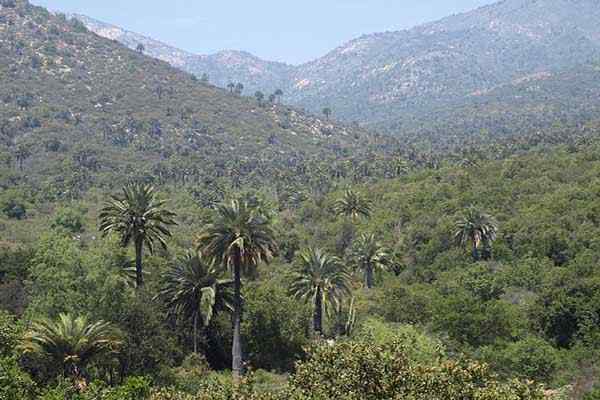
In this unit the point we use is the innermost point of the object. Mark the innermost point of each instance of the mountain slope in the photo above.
(77, 110)
(386, 77)
(222, 68)
(389, 79)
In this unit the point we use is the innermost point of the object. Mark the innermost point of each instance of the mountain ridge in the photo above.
(381, 79)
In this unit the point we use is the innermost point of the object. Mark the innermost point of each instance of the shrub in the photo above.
(14, 383)
(530, 358)
(68, 218)
(359, 370)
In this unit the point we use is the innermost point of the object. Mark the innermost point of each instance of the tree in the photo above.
(352, 205)
(140, 48)
(193, 290)
(71, 343)
(327, 112)
(278, 94)
(478, 228)
(239, 88)
(139, 217)
(368, 255)
(22, 153)
(231, 87)
(260, 96)
(239, 238)
(322, 280)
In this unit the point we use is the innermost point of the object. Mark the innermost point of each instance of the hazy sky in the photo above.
(292, 31)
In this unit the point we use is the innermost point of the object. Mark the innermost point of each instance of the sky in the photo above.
(294, 31)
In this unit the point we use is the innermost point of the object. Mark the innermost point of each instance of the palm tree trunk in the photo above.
(475, 251)
(196, 333)
(369, 276)
(139, 278)
(236, 350)
(318, 314)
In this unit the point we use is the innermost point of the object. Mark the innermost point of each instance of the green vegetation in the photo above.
(362, 242)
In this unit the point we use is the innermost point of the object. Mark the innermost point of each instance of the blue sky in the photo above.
(291, 31)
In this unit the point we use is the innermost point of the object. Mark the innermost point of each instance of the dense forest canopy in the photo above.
(164, 239)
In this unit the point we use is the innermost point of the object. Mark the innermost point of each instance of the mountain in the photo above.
(386, 78)
(80, 111)
(222, 68)
(394, 80)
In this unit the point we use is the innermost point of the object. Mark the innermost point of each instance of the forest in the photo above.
(164, 239)
(481, 276)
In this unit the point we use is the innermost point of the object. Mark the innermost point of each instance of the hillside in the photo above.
(78, 110)
(393, 80)
(222, 68)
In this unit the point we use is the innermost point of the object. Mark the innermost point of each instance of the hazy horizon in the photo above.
(268, 29)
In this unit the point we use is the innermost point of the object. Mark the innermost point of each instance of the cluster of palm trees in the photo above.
(195, 287)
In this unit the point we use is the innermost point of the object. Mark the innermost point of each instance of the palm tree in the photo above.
(140, 48)
(278, 94)
(239, 238)
(231, 87)
(327, 112)
(193, 290)
(476, 227)
(322, 280)
(138, 217)
(369, 255)
(260, 96)
(352, 205)
(239, 88)
(71, 343)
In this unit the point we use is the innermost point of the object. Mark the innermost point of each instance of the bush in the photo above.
(68, 218)
(14, 383)
(275, 327)
(530, 358)
(359, 370)
(419, 347)
(13, 205)
(134, 388)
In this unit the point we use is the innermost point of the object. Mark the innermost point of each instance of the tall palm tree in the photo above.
(476, 227)
(322, 280)
(352, 205)
(327, 112)
(71, 343)
(239, 238)
(139, 217)
(368, 255)
(193, 290)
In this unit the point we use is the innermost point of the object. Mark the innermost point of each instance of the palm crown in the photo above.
(139, 217)
(320, 279)
(240, 234)
(478, 228)
(368, 255)
(70, 342)
(193, 290)
(352, 205)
